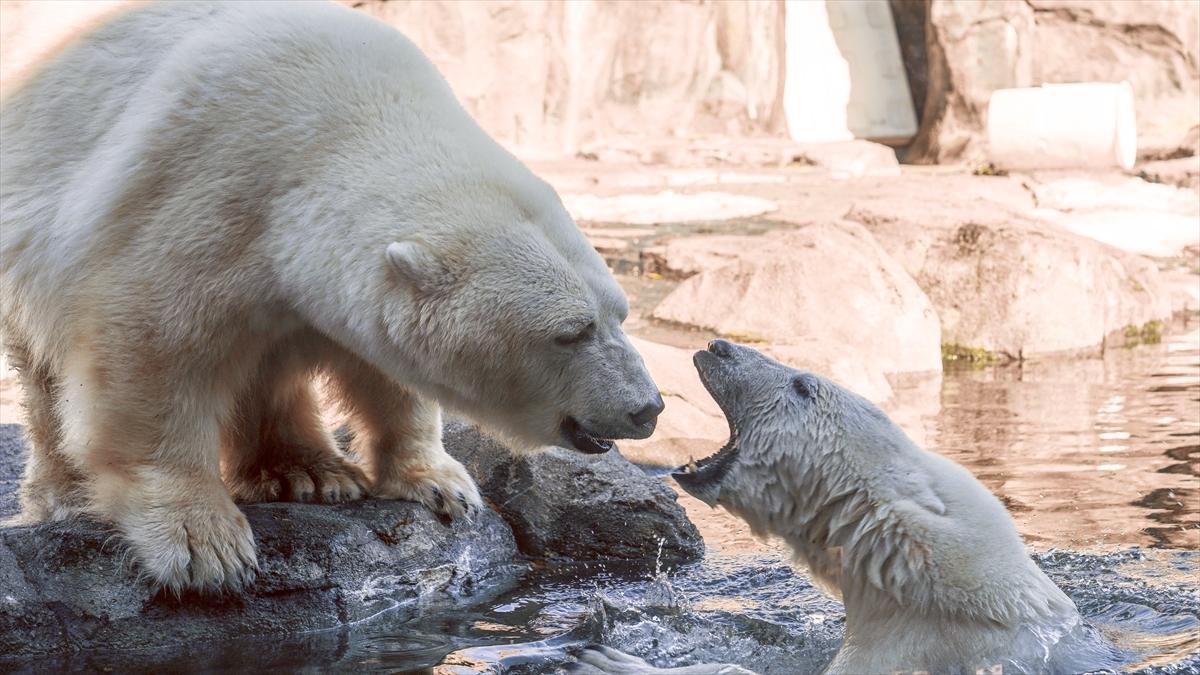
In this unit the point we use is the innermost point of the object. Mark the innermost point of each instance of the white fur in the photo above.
(928, 563)
(203, 204)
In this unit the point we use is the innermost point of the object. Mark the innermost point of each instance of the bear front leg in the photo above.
(150, 448)
(278, 448)
(400, 436)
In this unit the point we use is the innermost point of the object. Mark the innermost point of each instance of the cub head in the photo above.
(519, 329)
(779, 419)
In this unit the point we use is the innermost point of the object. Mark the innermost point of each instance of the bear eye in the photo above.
(802, 387)
(576, 337)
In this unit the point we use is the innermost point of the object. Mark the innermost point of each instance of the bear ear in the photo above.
(415, 264)
(805, 386)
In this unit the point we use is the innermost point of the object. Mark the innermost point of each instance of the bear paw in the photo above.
(443, 485)
(204, 546)
(329, 480)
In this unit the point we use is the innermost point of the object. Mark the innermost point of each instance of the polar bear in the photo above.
(928, 563)
(205, 204)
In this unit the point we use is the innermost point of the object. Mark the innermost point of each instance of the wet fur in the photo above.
(928, 563)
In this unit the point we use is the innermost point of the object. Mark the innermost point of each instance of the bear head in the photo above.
(519, 328)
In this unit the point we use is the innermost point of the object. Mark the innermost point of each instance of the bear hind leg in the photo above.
(52, 489)
(278, 448)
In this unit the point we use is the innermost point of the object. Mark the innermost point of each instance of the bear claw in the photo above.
(431, 484)
(329, 480)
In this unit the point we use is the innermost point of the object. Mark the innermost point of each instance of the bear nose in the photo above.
(648, 413)
(721, 348)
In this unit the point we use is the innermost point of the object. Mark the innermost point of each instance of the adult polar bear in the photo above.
(204, 203)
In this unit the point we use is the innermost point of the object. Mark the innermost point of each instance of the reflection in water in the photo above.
(1084, 452)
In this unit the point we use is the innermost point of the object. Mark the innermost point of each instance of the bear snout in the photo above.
(722, 348)
(648, 414)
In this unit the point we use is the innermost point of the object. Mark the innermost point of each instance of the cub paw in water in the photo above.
(928, 563)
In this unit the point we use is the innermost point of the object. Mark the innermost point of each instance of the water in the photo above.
(1085, 452)
(1099, 461)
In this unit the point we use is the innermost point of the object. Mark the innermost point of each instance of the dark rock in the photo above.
(564, 504)
(69, 586)
(12, 445)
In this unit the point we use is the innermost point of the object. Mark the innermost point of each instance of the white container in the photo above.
(1058, 126)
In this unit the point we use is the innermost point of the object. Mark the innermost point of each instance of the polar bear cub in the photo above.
(205, 204)
(928, 563)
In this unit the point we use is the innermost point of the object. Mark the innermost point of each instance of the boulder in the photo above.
(1017, 287)
(826, 293)
(850, 159)
(562, 504)
(1155, 44)
(68, 586)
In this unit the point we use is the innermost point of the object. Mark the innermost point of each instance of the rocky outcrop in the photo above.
(1155, 44)
(1016, 287)
(68, 586)
(561, 504)
(1131, 214)
(824, 293)
(974, 48)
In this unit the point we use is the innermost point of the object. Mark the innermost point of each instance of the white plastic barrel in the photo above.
(1054, 126)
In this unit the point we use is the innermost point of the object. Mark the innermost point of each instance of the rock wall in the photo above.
(556, 77)
(549, 78)
(974, 47)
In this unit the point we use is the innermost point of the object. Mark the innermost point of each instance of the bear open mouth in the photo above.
(702, 478)
(581, 440)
